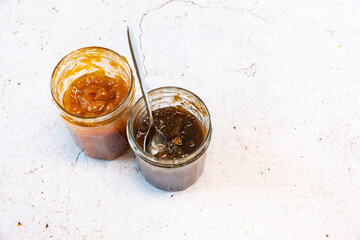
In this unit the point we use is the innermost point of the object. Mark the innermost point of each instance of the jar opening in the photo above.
(76, 118)
(174, 93)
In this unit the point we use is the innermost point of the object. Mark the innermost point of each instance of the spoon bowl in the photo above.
(154, 141)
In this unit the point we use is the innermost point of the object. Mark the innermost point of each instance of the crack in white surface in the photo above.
(194, 3)
(254, 14)
(5, 83)
(5, 113)
(243, 10)
(251, 11)
(341, 43)
(69, 183)
(351, 182)
(332, 35)
(141, 30)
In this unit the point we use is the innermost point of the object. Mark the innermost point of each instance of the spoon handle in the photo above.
(139, 70)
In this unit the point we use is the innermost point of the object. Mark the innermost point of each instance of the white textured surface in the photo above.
(281, 80)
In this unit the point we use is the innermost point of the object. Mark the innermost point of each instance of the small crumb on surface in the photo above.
(246, 148)
(19, 224)
(327, 235)
(172, 195)
(47, 225)
(234, 127)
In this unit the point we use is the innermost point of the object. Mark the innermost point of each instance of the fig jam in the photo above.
(182, 130)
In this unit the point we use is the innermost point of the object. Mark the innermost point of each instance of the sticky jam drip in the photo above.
(94, 95)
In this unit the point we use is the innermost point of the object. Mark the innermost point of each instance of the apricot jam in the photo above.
(93, 89)
(94, 95)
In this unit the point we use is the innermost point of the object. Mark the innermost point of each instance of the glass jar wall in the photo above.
(102, 136)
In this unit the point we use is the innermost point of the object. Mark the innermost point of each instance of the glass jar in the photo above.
(102, 137)
(170, 174)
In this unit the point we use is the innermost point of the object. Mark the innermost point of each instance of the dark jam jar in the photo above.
(172, 174)
(93, 89)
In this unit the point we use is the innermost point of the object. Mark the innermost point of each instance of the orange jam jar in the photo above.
(93, 89)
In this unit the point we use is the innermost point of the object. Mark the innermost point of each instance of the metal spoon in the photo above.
(154, 140)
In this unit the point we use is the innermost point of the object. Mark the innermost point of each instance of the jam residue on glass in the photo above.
(94, 95)
(181, 128)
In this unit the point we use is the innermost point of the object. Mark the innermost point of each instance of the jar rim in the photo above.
(169, 163)
(122, 103)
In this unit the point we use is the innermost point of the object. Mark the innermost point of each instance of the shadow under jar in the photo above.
(101, 136)
(170, 174)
